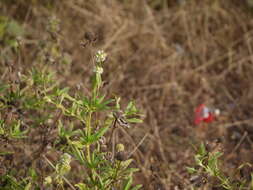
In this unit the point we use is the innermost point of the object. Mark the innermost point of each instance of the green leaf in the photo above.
(213, 163)
(126, 163)
(103, 105)
(1, 130)
(78, 154)
(86, 102)
(4, 87)
(131, 170)
(128, 183)
(117, 102)
(64, 92)
(5, 153)
(81, 186)
(14, 29)
(131, 109)
(12, 43)
(134, 120)
(77, 144)
(3, 24)
(101, 132)
(15, 131)
(99, 100)
(130, 105)
(33, 174)
(198, 160)
(100, 182)
(202, 151)
(95, 137)
(191, 170)
(28, 186)
(137, 187)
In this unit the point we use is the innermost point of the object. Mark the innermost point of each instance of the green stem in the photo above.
(88, 133)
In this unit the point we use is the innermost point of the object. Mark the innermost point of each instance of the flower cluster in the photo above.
(100, 56)
(98, 70)
(63, 166)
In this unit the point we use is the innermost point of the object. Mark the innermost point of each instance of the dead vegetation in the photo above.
(169, 59)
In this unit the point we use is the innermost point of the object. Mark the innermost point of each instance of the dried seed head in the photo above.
(104, 148)
(108, 156)
(66, 158)
(121, 156)
(102, 140)
(63, 166)
(120, 147)
(48, 180)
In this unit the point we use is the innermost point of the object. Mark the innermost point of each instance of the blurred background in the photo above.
(169, 56)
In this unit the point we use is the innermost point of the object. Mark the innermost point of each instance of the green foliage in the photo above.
(10, 33)
(37, 102)
(208, 164)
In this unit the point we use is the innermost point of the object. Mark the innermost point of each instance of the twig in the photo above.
(236, 123)
(250, 141)
(131, 140)
(83, 12)
(240, 142)
(112, 138)
(137, 146)
(113, 128)
(115, 36)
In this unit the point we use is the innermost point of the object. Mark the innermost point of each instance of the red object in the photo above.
(203, 114)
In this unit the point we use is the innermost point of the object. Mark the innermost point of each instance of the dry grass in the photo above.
(169, 60)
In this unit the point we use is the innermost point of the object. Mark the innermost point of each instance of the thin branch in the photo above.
(138, 145)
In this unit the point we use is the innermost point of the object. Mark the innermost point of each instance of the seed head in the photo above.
(120, 147)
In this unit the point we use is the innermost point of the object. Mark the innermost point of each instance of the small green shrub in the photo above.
(208, 170)
(35, 105)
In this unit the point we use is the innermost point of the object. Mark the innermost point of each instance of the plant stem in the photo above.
(88, 133)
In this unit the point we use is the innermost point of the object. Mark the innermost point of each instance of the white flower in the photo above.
(98, 70)
(100, 56)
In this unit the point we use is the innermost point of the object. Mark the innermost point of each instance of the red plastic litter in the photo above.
(203, 114)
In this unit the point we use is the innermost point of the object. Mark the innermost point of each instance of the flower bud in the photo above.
(48, 180)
